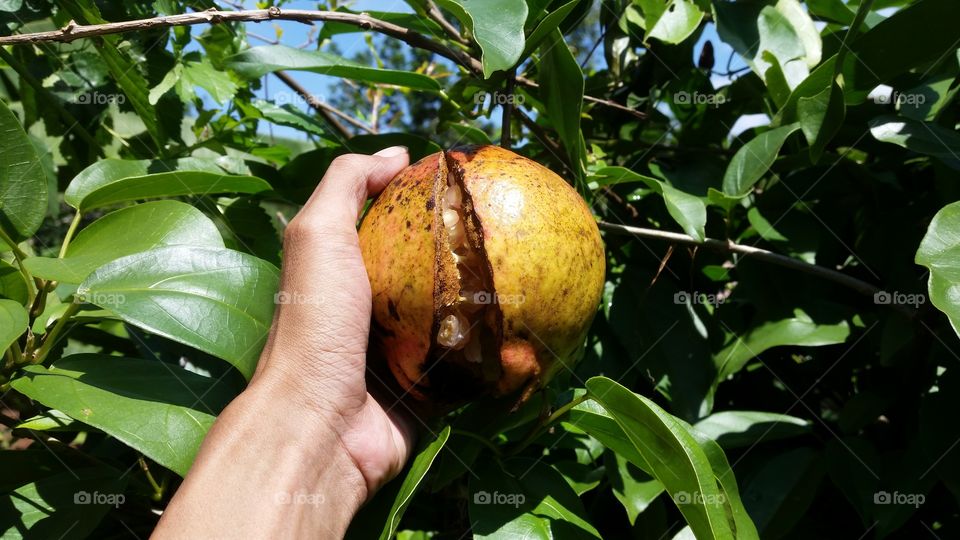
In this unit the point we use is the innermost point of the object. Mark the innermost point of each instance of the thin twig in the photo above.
(606, 102)
(325, 111)
(434, 13)
(722, 246)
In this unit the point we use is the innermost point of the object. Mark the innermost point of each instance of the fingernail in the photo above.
(392, 151)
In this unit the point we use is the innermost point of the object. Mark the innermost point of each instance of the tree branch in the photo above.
(74, 31)
(722, 246)
(325, 111)
(434, 13)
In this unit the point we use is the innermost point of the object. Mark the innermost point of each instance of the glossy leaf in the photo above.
(735, 429)
(561, 88)
(743, 527)
(754, 159)
(921, 137)
(940, 252)
(127, 231)
(258, 61)
(635, 489)
(688, 210)
(12, 285)
(798, 330)
(546, 26)
(525, 498)
(13, 322)
(820, 117)
(161, 410)
(23, 186)
(676, 22)
(496, 25)
(112, 181)
(676, 458)
(216, 300)
(412, 481)
(59, 505)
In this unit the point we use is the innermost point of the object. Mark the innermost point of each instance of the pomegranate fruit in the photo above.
(486, 270)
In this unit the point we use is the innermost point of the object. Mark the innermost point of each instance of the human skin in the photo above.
(305, 445)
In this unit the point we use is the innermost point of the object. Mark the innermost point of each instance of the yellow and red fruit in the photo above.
(486, 270)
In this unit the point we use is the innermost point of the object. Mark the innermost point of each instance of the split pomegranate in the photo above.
(486, 270)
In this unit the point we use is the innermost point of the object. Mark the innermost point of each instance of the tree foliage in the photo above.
(776, 351)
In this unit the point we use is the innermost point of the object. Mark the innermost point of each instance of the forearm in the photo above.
(266, 469)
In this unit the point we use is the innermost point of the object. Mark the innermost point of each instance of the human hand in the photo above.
(306, 429)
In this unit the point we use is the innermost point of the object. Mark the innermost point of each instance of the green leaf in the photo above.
(413, 21)
(593, 420)
(821, 117)
(677, 22)
(411, 482)
(111, 181)
(940, 252)
(53, 420)
(546, 26)
(13, 322)
(289, 115)
(689, 211)
(763, 227)
(879, 54)
(735, 429)
(23, 185)
(256, 62)
(921, 137)
(634, 488)
(561, 89)
(55, 505)
(216, 300)
(799, 330)
(754, 159)
(780, 490)
(676, 458)
(12, 285)
(186, 77)
(123, 70)
(127, 231)
(581, 477)
(10, 6)
(496, 25)
(161, 410)
(784, 30)
(525, 498)
(742, 524)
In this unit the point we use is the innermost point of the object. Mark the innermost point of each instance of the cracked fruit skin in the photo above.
(486, 270)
